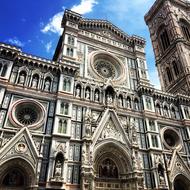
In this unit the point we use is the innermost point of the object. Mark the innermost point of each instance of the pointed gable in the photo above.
(21, 145)
(110, 127)
(178, 166)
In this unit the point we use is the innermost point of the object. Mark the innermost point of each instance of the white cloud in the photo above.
(54, 24)
(15, 41)
(48, 46)
(84, 7)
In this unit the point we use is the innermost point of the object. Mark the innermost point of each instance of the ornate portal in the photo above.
(108, 169)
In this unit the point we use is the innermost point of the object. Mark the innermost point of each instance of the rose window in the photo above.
(105, 69)
(171, 138)
(27, 113)
(104, 65)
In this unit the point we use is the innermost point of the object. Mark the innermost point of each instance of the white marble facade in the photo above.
(90, 119)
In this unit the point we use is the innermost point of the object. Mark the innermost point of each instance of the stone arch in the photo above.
(181, 182)
(114, 150)
(24, 170)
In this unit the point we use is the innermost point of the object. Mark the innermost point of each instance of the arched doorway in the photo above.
(17, 174)
(181, 183)
(14, 179)
(111, 167)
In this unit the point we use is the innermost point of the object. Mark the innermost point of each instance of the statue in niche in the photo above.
(78, 91)
(87, 94)
(148, 103)
(160, 168)
(134, 160)
(140, 162)
(120, 102)
(133, 131)
(136, 105)
(22, 79)
(109, 99)
(165, 112)
(96, 96)
(173, 114)
(47, 85)
(88, 121)
(35, 82)
(58, 169)
(128, 103)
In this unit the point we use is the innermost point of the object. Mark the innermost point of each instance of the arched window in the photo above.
(169, 74)
(62, 127)
(64, 108)
(185, 29)
(1, 66)
(71, 40)
(3, 70)
(70, 52)
(176, 69)
(67, 84)
(164, 38)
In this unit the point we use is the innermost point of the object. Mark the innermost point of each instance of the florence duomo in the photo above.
(89, 118)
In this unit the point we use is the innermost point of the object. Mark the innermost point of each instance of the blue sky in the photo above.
(35, 25)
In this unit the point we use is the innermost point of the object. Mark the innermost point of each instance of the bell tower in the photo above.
(169, 26)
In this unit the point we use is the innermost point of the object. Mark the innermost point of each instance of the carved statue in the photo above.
(22, 79)
(133, 131)
(134, 160)
(35, 82)
(128, 103)
(88, 121)
(109, 99)
(136, 105)
(148, 103)
(47, 85)
(96, 96)
(160, 167)
(58, 169)
(78, 92)
(87, 94)
(120, 102)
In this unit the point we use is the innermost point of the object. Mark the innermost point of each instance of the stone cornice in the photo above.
(149, 15)
(15, 54)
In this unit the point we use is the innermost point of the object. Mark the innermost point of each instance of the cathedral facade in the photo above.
(90, 119)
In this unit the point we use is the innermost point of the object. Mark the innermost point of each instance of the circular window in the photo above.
(104, 65)
(105, 69)
(27, 113)
(171, 138)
